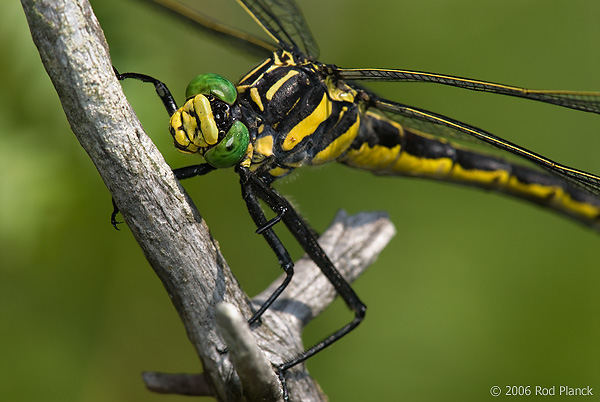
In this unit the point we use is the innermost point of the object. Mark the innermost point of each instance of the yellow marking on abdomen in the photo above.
(382, 160)
(279, 83)
(581, 208)
(556, 196)
(416, 166)
(497, 178)
(339, 145)
(375, 158)
(308, 125)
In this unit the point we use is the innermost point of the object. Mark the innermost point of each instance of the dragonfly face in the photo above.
(208, 123)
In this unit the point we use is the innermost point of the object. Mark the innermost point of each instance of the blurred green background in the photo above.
(475, 290)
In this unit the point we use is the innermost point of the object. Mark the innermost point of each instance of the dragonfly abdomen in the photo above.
(385, 147)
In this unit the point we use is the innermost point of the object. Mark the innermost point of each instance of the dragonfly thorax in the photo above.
(301, 116)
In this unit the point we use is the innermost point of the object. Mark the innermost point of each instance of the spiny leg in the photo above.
(305, 236)
(162, 90)
(168, 101)
(265, 229)
(187, 172)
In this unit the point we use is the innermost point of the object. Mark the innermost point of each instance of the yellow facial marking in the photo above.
(189, 123)
(176, 120)
(179, 124)
(279, 83)
(308, 125)
(208, 125)
(183, 141)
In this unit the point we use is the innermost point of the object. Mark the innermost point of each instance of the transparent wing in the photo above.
(586, 101)
(232, 36)
(445, 127)
(284, 22)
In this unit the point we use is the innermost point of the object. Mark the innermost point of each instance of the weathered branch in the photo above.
(165, 222)
(256, 372)
(181, 384)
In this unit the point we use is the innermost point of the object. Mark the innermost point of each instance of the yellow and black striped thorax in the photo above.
(297, 114)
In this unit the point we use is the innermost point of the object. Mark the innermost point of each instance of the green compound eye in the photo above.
(213, 84)
(231, 149)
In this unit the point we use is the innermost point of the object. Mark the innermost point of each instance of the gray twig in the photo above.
(181, 384)
(166, 224)
(252, 366)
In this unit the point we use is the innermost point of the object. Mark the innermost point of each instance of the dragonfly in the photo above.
(291, 111)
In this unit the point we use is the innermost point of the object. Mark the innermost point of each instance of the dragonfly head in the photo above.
(205, 123)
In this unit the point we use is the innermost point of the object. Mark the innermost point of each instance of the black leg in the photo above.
(305, 236)
(161, 89)
(168, 101)
(267, 232)
(264, 228)
(192, 171)
(113, 215)
(180, 173)
(272, 222)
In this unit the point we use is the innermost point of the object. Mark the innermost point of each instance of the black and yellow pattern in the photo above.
(385, 147)
(292, 111)
(303, 119)
(300, 113)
